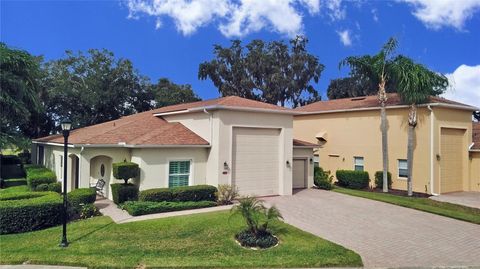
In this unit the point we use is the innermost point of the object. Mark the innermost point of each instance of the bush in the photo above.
(226, 194)
(14, 182)
(19, 195)
(180, 194)
(37, 175)
(23, 214)
(323, 179)
(10, 160)
(55, 187)
(194, 193)
(83, 196)
(156, 195)
(25, 157)
(125, 170)
(136, 208)
(88, 211)
(124, 192)
(379, 180)
(11, 167)
(249, 239)
(353, 179)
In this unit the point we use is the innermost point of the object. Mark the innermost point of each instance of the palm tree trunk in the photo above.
(382, 97)
(412, 123)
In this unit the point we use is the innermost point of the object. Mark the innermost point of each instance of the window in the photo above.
(40, 155)
(402, 168)
(179, 173)
(316, 161)
(358, 163)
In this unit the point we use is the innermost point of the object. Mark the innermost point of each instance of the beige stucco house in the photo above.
(447, 146)
(228, 140)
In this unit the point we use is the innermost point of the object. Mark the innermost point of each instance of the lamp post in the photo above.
(66, 126)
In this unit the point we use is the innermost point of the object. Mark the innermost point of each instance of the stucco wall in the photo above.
(199, 123)
(154, 165)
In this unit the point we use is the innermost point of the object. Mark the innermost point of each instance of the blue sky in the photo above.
(446, 38)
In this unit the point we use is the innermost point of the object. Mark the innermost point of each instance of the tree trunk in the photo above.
(382, 97)
(412, 123)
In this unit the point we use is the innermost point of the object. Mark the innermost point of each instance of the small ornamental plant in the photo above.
(125, 171)
(257, 218)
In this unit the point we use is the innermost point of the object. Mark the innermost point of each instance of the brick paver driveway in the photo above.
(384, 235)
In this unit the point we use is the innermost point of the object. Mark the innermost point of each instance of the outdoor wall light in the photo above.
(225, 166)
(288, 163)
(311, 160)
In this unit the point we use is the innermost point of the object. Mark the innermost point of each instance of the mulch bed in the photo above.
(401, 193)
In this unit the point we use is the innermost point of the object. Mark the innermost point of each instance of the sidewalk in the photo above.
(108, 208)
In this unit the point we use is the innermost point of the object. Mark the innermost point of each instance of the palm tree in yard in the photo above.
(374, 70)
(415, 84)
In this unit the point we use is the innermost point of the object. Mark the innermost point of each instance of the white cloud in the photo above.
(465, 85)
(236, 18)
(436, 14)
(345, 37)
(375, 14)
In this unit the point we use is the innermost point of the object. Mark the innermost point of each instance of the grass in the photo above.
(203, 240)
(424, 204)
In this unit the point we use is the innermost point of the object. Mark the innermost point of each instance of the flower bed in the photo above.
(137, 208)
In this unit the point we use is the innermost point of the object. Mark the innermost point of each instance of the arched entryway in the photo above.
(74, 171)
(101, 168)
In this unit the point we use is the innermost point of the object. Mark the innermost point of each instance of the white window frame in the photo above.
(398, 169)
(190, 175)
(355, 163)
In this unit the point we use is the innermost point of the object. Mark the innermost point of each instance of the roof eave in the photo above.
(232, 108)
(123, 145)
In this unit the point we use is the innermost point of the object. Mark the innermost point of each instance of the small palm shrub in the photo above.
(323, 179)
(226, 194)
(258, 218)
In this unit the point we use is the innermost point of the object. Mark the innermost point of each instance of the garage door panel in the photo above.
(255, 161)
(299, 173)
(451, 171)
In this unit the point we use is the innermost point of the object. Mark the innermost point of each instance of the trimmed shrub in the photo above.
(11, 167)
(125, 170)
(353, 179)
(83, 196)
(124, 192)
(194, 193)
(23, 214)
(10, 160)
(379, 180)
(156, 195)
(226, 194)
(248, 239)
(37, 175)
(19, 195)
(55, 187)
(14, 182)
(323, 179)
(136, 208)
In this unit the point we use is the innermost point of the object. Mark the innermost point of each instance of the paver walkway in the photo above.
(466, 198)
(384, 235)
(108, 208)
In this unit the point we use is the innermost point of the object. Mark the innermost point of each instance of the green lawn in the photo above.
(203, 240)
(424, 204)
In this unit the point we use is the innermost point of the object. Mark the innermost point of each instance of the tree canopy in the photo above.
(273, 72)
(167, 93)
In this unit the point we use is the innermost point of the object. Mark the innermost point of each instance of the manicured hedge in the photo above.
(10, 159)
(379, 179)
(23, 215)
(125, 170)
(353, 179)
(19, 195)
(136, 208)
(180, 194)
(11, 167)
(37, 175)
(124, 192)
(83, 196)
(322, 179)
(56, 187)
(14, 182)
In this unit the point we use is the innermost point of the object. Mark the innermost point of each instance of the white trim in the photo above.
(120, 145)
(473, 150)
(307, 147)
(234, 108)
(469, 108)
(432, 157)
(190, 176)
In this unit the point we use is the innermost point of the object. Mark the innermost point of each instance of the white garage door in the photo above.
(299, 173)
(255, 161)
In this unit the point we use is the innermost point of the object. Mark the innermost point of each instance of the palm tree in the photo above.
(256, 215)
(375, 69)
(415, 84)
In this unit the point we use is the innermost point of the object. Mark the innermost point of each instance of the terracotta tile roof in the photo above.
(301, 143)
(476, 135)
(138, 129)
(364, 102)
(229, 101)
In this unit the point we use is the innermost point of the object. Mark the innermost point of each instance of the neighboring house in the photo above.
(446, 154)
(229, 140)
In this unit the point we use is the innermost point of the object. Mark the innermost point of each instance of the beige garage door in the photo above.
(255, 161)
(299, 173)
(451, 163)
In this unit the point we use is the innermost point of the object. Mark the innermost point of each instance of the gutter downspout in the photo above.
(431, 150)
